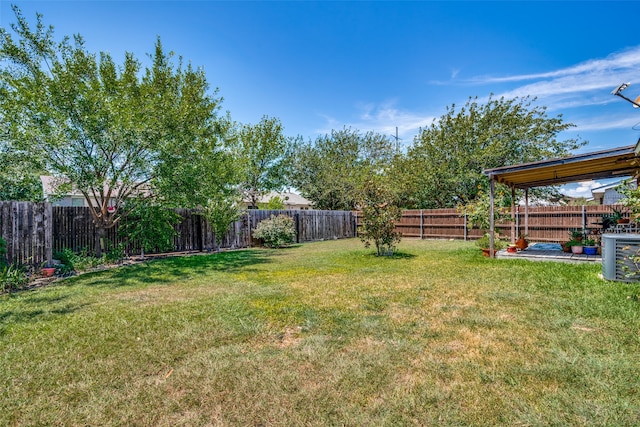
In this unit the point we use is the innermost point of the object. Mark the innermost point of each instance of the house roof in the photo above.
(288, 198)
(51, 183)
(604, 188)
(616, 162)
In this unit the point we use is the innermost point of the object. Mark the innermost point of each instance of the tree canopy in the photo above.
(262, 151)
(331, 170)
(444, 167)
(111, 131)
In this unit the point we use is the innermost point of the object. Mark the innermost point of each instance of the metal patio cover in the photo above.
(616, 162)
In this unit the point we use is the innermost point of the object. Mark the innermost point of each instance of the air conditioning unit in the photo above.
(618, 251)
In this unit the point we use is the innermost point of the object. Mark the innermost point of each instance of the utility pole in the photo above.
(397, 141)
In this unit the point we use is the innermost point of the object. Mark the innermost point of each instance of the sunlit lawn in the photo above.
(325, 334)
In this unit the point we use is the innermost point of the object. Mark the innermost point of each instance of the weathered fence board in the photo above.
(26, 227)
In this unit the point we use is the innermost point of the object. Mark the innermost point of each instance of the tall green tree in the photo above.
(330, 170)
(444, 167)
(113, 132)
(262, 155)
(19, 177)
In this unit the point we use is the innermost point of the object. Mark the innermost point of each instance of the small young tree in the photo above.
(477, 211)
(379, 217)
(220, 214)
(149, 226)
(277, 231)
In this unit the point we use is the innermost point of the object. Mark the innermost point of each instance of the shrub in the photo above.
(277, 231)
(220, 214)
(3, 253)
(149, 226)
(72, 262)
(12, 277)
(274, 204)
(484, 242)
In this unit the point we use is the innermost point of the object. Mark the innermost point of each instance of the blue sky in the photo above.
(376, 65)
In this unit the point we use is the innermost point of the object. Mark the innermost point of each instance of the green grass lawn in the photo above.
(325, 334)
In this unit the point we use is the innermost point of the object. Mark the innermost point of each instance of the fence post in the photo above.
(355, 223)
(48, 231)
(465, 227)
(421, 225)
(297, 219)
(584, 218)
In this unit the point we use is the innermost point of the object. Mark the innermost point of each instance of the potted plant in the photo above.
(47, 270)
(522, 242)
(576, 246)
(618, 217)
(484, 243)
(590, 247)
(576, 234)
(610, 220)
(566, 247)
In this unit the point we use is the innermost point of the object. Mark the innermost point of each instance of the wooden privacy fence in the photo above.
(26, 227)
(34, 231)
(546, 223)
(73, 228)
(552, 223)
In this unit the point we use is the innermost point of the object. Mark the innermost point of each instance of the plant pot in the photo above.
(522, 244)
(48, 271)
(512, 249)
(577, 249)
(623, 221)
(566, 248)
(485, 252)
(590, 250)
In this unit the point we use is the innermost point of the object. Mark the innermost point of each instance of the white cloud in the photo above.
(587, 84)
(607, 123)
(625, 61)
(580, 189)
(383, 118)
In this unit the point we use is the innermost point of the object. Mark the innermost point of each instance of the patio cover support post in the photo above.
(492, 225)
(526, 210)
(513, 215)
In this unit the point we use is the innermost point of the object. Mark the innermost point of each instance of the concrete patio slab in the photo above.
(533, 253)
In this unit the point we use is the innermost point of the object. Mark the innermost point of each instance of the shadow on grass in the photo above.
(35, 307)
(34, 315)
(169, 270)
(396, 255)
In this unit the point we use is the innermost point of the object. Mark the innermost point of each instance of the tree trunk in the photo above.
(100, 232)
